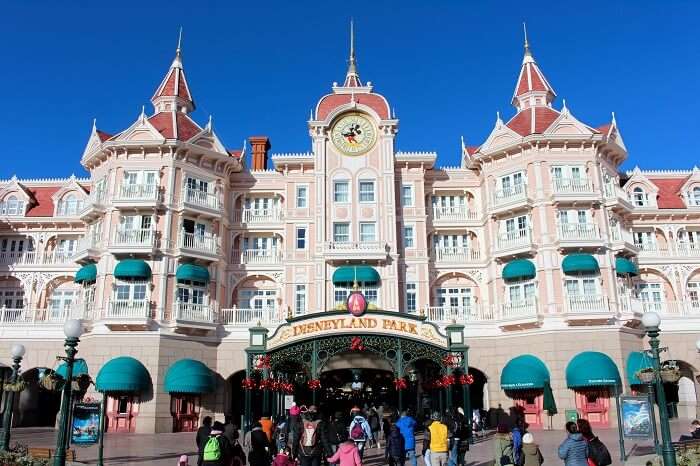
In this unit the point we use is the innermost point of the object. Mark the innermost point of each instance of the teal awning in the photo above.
(359, 273)
(519, 269)
(132, 269)
(189, 376)
(636, 361)
(524, 372)
(592, 369)
(626, 267)
(123, 375)
(86, 274)
(579, 263)
(192, 272)
(80, 367)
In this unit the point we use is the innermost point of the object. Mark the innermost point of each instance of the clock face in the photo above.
(353, 134)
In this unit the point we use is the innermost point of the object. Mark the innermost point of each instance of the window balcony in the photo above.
(578, 235)
(257, 256)
(88, 248)
(615, 196)
(647, 250)
(457, 214)
(133, 240)
(19, 258)
(138, 310)
(587, 307)
(576, 187)
(455, 255)
(341, 250)
(504, 199)
(448, 314)
(24, 316)
(518, 313)
(59, 258)
(201, 201)
(241, 317)
(686, 249)
(136, 194)
(514, 242)
(272, 215)
(94, 206)
(198, 244)
(197, 313)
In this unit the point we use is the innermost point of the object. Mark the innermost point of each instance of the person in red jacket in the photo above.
(346, 455)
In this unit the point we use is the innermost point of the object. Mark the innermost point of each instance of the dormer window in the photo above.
(694, 197)
(69, 206)
(639, 197)
(12, 206)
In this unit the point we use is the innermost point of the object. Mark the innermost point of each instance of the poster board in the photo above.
(288, 400)
(636, 417)
(85, 429)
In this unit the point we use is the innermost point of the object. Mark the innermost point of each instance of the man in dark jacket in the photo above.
(225, 451)
(202, 437)
(259, 454)
(395, 450)
(574, 450)
(313, 442)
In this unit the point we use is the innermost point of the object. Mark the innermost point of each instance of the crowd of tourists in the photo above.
(306, 438)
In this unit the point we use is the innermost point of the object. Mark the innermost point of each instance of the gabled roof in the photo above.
(669, 195)
(43, 205)
(174, 125)
(533, 120)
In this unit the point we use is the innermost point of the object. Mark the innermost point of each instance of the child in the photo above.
(346, 455)
(282, 458)
(183, 461)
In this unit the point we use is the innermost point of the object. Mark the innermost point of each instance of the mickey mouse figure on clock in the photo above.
(353, 134)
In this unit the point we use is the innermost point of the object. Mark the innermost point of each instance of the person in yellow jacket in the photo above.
(436, 440)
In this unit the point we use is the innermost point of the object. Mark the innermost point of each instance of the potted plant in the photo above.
(670, 373)
(646, 375)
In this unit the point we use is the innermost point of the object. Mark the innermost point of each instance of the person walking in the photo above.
(503, 446)
(347, 454)
(598, 454)
(280, 434)
(360, 431)
(230, 431)
(259, 454)
(531, 454)
(267, 426)
(294, 429)
(375, 426)
(283, 458)
(337, 431)
(516, 436)
(313, 443)
(395, 451)
(436, 440)
(217, 449)
(407, 426)
(574, 449)
(202, 436)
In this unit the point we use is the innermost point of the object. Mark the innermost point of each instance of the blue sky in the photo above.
(259, 67)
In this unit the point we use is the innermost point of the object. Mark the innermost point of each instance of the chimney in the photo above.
(259, 146)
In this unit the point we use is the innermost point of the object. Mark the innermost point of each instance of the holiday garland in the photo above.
(314, 384)
(400, 384)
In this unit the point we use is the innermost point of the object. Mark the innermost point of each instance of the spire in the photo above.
(352, 79)
(532, 89)
(173, 94)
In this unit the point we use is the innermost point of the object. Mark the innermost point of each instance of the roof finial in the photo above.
(209, 124)
(94, 124)
(464, 148)
(177, 62)
(564, 109)
(352, 79)
(614, 122)
(528, 52)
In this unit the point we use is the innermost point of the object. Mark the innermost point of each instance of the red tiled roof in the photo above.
(604, 129)
(521, 123)
(174, 84)
(163, 122)
(44, 204)
(669, 196)
(103, 136)
(332, 101)
(186, 128)
(235, 153)
(472, 149)
(536, 81)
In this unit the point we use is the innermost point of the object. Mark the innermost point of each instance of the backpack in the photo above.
(212, 449)
(309, 435)
(598, 452)
(356, 431)
(507, 459)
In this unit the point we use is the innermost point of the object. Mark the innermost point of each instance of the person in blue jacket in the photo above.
(407, 426)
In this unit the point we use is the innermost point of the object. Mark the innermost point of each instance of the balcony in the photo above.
(242, 317)
(455, 255)
(128, 310)
(195, 313)
(669, 308)
(270, 256)
(19, 258)
(574, 189)
(201, 201)
(133, 240)
(652, 250)
(89, 248)
(578, 235)
(342, 250)
(450, 215)
(11, 260)
(587, 307)
(689, 249)
(615, 196)
(260, 217)
(514, 242)
(136, 195)
(59, 258)
(460, 314)
(199, 245)
(94, 206)
(518, 313)
(24, 316)
(509, 198)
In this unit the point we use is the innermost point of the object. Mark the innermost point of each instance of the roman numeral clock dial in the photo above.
(353, 134)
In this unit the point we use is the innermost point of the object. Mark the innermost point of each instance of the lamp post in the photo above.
(73, 329)
(17, 352)
(651, 322)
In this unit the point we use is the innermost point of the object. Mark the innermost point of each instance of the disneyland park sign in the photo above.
(372, 323)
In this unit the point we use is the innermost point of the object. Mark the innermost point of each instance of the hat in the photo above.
(460, 411)
(528, 438)
(218, 426)
(355, 409)
(294, 410)
(435, 416)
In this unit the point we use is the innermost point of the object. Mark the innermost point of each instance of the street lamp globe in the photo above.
(651, 320)
(73, 328)
(17, 350)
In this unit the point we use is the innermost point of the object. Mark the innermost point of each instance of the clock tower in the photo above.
(352, 132)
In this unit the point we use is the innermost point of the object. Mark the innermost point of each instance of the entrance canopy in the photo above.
(524, 372)
(189, 376)
(355, 273)
(123, 375)
(592, 369)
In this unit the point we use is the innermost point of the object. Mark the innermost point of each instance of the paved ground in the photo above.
(165, 449)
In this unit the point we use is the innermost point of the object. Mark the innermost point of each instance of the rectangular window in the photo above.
(301, 237)
(300, 300)
(366, 191)
(408, 236)
(341, 191)
(407, 195)
(411, 297)
(302, 197)
(368, 232)
(341, 232)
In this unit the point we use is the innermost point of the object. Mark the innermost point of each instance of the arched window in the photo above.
(12, 206)
(639, 197)
(69, 205)
(695, 196)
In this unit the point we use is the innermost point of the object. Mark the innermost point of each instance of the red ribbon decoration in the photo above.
(314, 384)
(400, 384)
(248, 384)
(356, 344)
(466, 379)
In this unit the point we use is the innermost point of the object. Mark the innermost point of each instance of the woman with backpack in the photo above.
(598, 454)
(503, 454)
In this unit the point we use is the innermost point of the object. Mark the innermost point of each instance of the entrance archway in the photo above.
(37, 406)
